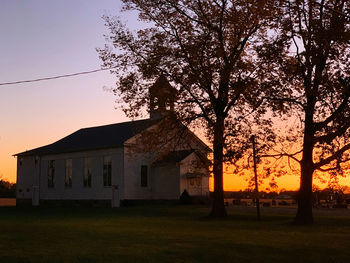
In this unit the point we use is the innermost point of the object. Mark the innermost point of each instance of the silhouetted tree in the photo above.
(308, 64)
(205, 49)
(7, 189)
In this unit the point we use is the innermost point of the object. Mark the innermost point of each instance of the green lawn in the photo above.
(168, 234)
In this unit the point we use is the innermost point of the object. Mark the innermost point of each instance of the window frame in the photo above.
(87, 176)
(68, 173)
(51, 174)
(107, 171)
(144, 175)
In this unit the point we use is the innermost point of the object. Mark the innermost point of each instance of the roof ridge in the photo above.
(111, 124)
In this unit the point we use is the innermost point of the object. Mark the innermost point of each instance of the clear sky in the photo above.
(45, 38)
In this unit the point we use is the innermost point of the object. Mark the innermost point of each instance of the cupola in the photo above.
(162, 98)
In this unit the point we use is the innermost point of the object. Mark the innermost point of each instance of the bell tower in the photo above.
(162, 98)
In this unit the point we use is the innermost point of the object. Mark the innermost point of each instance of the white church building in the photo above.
(150, 159)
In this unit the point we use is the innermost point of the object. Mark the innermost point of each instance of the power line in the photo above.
(55, 77)
(103, 69)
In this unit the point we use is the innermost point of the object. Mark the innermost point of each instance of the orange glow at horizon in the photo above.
(232, 182)
(289, 182)
(18, 141)
(236, 183)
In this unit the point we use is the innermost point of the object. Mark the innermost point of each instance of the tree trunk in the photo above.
(218, 209)
(304, 213)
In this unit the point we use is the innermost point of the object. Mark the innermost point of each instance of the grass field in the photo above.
(169, 234)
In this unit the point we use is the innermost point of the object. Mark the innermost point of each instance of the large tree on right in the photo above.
(307, 63)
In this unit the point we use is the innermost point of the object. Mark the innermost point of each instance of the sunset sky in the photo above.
(47, 38)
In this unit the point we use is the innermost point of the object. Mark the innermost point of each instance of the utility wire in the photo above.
(55, 77)
(103, 69)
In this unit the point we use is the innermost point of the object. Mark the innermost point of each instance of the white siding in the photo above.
(132, 175)
(78, 192)
(26, 176)
(190, 165)
(166, 182)
(138, 152)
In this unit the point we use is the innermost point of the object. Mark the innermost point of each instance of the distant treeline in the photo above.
(250, 194)
(320, 194)
(7, 189)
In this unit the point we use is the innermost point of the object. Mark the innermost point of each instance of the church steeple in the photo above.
(162, 98)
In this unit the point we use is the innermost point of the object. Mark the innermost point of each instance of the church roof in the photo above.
(178, 156)
(94, 138)
(174, 157)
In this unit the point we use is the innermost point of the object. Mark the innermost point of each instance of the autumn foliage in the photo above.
(238, 65)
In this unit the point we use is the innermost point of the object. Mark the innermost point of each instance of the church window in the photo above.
(144, 175)
(68, 175)
(51, 174)
(107, 171)
(87, 172)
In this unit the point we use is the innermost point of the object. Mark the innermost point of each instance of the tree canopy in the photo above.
(233, 61)
(308, 67)
(206, 50)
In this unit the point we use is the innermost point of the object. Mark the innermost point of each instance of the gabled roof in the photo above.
(174, 157)
(178, 156)
(94, 138)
